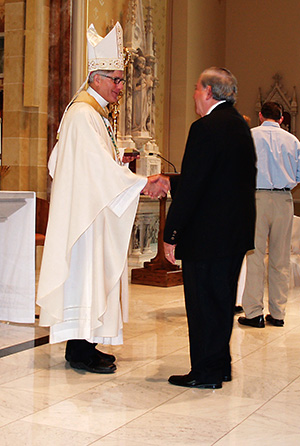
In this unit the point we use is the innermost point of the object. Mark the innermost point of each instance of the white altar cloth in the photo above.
(17, 256)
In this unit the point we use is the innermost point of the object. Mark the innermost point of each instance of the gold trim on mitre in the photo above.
(105, 53)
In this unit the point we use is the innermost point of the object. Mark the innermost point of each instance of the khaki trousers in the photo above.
(274, 221)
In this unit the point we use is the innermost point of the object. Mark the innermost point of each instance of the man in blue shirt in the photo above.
(278, 172)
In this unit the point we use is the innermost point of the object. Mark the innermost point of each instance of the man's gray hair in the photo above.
(93, 73)
(222, 82)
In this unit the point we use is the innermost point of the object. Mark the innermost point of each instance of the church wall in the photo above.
(198, 41)
(25, 95)
(105, 13)
(262, 38)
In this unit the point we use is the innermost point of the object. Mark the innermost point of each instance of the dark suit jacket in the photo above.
(213, 208)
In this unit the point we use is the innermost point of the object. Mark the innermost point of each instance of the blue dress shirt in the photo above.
(278, 157)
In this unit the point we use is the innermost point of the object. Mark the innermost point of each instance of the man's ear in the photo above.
(208, 92)
(281, 120)
(261, 118)
(97, 79)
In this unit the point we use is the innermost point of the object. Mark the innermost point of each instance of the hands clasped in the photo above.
(157, 186)
(170, 252)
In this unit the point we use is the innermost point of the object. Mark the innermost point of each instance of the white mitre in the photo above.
(105, 53)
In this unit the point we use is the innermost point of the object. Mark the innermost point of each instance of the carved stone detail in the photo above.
(289, 103)
(137, 114)
(143, 245)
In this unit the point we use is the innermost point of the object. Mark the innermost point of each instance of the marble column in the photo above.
(59, 87)
(25, 95)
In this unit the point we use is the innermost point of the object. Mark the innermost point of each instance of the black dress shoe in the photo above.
(189, 381)
(109, 358)
(94, 365)
(238, 309)
(226, 378)
(257, 321)
(273, 321)
(106, 356)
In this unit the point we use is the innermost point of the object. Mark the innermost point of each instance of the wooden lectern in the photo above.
(159, 271)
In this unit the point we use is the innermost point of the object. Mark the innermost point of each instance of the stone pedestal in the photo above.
(144, 236)
(148, 165)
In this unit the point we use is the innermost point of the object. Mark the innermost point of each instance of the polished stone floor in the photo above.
(44, 402)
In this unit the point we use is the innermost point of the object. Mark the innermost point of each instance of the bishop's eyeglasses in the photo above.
(116, 80)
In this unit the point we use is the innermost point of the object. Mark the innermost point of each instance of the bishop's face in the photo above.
(201, 97)
(107, 86)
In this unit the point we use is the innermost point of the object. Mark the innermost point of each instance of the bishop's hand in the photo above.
(170, 252)
(157, 186)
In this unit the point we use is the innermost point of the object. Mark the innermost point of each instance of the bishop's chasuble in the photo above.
(83, 290)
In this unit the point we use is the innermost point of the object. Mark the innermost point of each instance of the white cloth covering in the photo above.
(92, 210)
(295, 254)
(241, 283)
(17, 256)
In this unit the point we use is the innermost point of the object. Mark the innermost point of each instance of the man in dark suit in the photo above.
(210, 224)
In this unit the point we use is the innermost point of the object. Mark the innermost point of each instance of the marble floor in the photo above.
(45, 402)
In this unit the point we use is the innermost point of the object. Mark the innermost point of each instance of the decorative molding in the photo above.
(289, 103)
(137, 115)
(79, 27)
(59, 84)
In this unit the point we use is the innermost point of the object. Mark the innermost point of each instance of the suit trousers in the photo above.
(210, 287)
(274, 220)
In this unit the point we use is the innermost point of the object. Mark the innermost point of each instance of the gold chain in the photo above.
(111, 137)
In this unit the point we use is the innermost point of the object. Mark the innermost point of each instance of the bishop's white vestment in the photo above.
(83, 280)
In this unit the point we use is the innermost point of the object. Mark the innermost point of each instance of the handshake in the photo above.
(157, 186)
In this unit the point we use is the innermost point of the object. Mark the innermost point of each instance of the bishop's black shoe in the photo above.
(275, 322)
(227, 378)
(106, 356)
(257, 321)
(189, 381)
(94, 365)
(101, 355)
